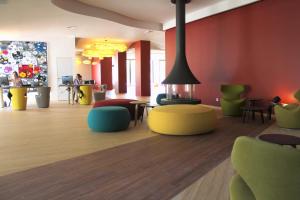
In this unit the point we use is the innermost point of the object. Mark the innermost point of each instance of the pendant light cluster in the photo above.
(103, 48)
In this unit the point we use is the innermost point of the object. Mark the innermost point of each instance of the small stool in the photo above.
(108, 119)
(43, 97)
(19, 98)
(85, 94)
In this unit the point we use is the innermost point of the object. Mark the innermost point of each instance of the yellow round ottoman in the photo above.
(182, 119)
(85, 98)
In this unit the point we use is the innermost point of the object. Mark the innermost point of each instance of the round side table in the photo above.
(137, 104)
(281, 139)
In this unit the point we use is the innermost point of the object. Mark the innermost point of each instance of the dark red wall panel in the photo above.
(257, 45)
(142, 68)
(122, 77)
(106, 72)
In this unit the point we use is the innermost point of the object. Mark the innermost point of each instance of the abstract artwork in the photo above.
(29, 59)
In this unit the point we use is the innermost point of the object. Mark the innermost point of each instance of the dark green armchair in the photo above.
(288, 116)
(231, 102)
(265, 171)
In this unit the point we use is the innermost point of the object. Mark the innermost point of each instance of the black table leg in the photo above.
(262, 116)
(243, 116)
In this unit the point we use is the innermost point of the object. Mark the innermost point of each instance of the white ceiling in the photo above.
(148, 10)
(39, 18)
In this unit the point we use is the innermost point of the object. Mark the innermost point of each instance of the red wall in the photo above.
(142, 68)
(122, 77)
(106, 72)
(257, 45)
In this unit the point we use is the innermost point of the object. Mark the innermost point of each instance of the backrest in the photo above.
(231, 92)
(271, 171)
(297, 95)
(160, 97)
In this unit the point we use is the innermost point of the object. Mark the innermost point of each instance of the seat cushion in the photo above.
(108, 119)
(182, 119)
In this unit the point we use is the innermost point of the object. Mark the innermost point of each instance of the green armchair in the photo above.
(265, 171)
(231, 102)
(288, 116)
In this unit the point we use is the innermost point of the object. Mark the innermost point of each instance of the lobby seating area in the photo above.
(152, 100)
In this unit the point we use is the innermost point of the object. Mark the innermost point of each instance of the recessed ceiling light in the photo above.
(148, 31)
(71, 27)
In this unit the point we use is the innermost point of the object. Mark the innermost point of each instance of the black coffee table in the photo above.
(248, 110)
(180, 101)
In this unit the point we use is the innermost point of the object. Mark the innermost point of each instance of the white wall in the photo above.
(84, 70)
(63, 46)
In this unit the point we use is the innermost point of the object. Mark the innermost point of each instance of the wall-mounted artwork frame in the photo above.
(28, 58)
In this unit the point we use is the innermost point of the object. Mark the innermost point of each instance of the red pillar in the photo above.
(142, 68)
(106, 72)
(122, 77)
(96, 70)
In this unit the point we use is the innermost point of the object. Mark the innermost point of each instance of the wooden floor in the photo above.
(27, 142)
(212, 186)
(37, 137)
(159, 167)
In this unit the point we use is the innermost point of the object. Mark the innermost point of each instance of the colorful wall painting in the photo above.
(29, 59)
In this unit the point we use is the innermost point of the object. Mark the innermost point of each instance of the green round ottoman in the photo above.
(108, 119)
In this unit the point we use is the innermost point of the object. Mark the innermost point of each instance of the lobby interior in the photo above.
(232, 134)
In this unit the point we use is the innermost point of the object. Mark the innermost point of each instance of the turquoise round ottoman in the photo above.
(108, 119)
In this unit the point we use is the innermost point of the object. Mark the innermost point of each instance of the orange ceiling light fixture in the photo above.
(103, 48)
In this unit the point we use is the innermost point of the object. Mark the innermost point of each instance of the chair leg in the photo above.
(262, 116)
(253, 115)
(142, 116)
(244, 114)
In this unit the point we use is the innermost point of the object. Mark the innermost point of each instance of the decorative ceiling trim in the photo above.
(211, 10)
(84, 9)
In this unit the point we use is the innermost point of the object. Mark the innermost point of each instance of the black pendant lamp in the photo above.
(181, 73)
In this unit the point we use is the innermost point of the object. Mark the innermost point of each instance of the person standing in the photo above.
(77, 83)
(16, 82)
